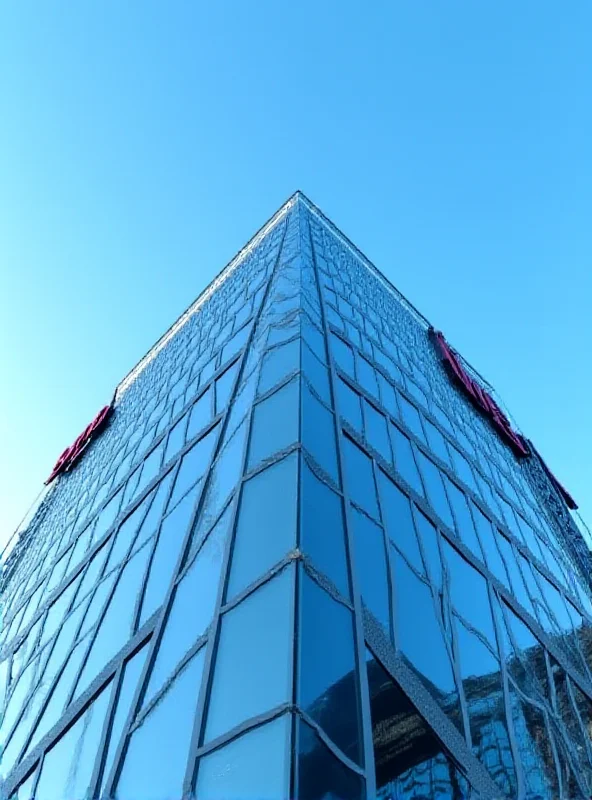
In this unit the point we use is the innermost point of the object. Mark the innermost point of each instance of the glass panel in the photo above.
(468, 592)
(224, 386)
(349, 405)
(176, 439)
(155, 763)
(419, 636)
(487, 535)
(342, 353)
(266, 523)
(367, 376)
(322, 534)
(316, 373)
(428, 535)
(464, 522)
(404, 461)
(116, 627)
(194, 464)
(192, 609)
(321, 776)
(256, 766)
(410, 761)
(277, 364)
(275, 423)
(201, 414)
(360, 477)
(436, 441)
(328, 686)
(396, 514)
(131, 675)
(411, 417)
(68, 766)
(377, 431)
(318, 433)
(371, 567)
(254, 660)
(435, 489)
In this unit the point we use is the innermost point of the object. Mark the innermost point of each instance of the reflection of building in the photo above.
(303, 553)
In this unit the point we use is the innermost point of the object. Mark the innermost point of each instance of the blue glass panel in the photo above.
(371, 566)
(253, 665)
(468, 592)
(360, 477)
(155, 763)
(321, 776)
(316, 373)
(224, 386)
(419, 636)
(411, 417)
(176, 439)
(428, 536)
(322, 534)
(349, 405)
(277, 364)
(275, 423)
(131, 675)
(192, 609)
(377, 431)
(435, 489)
(404, 461)
(194, 464)
(342, 354)
(396, 514)
(266, 523)
(201, 414)
(166, 554)
(463, 520)
(328, 685)
(318, 433)
(68, 766)
(152, 520)
(256, 766)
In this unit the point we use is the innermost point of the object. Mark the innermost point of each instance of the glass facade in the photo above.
(298, 562)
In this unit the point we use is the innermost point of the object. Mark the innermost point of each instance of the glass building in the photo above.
(301, 554)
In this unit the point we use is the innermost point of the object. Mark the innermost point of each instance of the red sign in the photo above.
(482, 399)
(69, 457)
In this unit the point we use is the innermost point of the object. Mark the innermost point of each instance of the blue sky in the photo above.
(142, 143)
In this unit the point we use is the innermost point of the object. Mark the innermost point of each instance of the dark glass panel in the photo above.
(483, 688)
(488, 537)
(468, 593)
(266, 523)
(322, 533)
(419, 636)
(321, 776)
(253, 664)
(328, 686)
(428, 535)
(255, 766)
(371, 567)
(410, 761)
(156, 759)
(360, 477)
(396, 515)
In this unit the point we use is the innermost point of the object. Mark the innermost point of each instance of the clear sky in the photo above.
(142, 143)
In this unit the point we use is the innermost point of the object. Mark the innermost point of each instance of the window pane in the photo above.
(404, 461)
(201, 414)
(322, 534)
(464, 522)
(275, 423)
(342, 353)
(371, 567)
(377, 431)
(316, 373)
(254, 660)
(328, 687)
(318, 433)
(349, 405)
(411, 417)
(68, 766)
(156, 759)
(266, 523)
(320, 774)
(360, 477)
(410, 761)
(435, 489)
(194, 464)
(131, 675)
(256, 766)
(468, 592)
(224, 386)
(277, 364)
(396, 515)
(436, 441)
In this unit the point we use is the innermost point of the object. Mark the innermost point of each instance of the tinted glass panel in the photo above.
(275, 423)
(360, 477)
(371, 566)
(321, 776)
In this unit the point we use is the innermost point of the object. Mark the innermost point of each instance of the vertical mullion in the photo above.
(214, 636)
(364, 698)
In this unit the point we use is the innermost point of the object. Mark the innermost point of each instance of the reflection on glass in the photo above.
(275, 423)
(277, 364)
(252, 672)
(410, 761)
(266, 523)
(468, 592)
(64, 775)
(360, 477)
(371, 567)
(396, 514)
(156, 759)
(349, 405)
(404, 461)
(318, 433)
(328, 687)
(321, 776)
(322, 533)
(377, 431)
(419, 636)
(194, 464)
(256, 766)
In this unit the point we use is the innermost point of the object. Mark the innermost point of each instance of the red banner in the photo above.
(69, 457)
